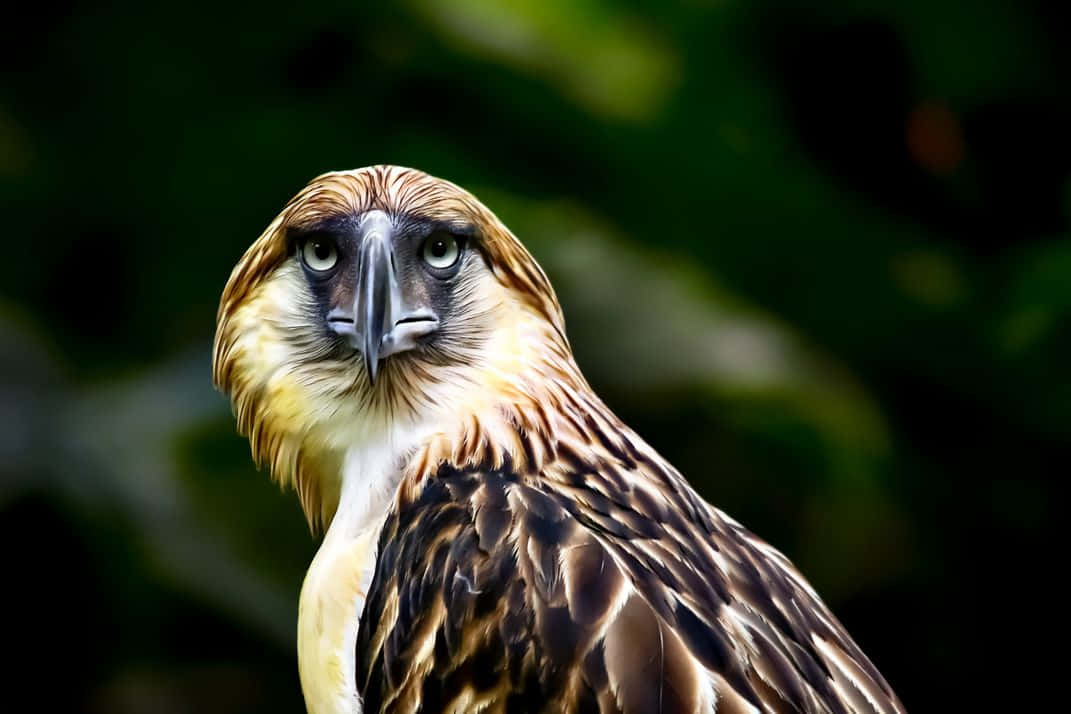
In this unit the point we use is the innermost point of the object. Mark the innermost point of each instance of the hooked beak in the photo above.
(382, 322)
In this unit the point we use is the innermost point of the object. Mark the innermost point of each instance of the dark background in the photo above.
(819, 257)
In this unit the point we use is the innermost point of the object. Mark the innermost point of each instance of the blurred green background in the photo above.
(816, 253)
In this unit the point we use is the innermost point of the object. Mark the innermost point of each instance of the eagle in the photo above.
(495, 538)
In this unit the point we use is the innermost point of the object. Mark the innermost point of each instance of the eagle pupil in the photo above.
(322, 250)
(438, 248)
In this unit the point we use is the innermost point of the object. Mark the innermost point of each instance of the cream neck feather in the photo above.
(337, 583)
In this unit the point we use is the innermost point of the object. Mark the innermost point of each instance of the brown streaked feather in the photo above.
(598, 582)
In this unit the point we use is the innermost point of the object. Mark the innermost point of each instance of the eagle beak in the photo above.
(382, 322)
(377, 294)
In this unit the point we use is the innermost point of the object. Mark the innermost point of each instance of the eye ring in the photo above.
(319, 254)
(441, 251)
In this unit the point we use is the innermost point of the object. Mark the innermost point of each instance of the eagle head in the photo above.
(375, 300)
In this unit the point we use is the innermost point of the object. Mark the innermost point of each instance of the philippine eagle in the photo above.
(496, 539)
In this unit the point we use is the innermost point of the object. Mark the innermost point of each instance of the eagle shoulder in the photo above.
(593, 591)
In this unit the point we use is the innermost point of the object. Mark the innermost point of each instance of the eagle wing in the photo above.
(594, 592)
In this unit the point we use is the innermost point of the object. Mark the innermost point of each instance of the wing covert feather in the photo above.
(497, 592)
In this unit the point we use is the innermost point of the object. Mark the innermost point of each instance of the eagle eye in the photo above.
(441, 250)
(319, 254)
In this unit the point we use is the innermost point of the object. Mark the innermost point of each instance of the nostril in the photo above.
(339, 316)
(416, 317)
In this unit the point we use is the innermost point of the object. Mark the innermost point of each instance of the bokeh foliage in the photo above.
(818, 256)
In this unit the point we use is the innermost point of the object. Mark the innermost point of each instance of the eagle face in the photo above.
(377, 299)
(384, 285)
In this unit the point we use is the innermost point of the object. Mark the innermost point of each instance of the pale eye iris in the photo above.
(319, 255)
(441, 251)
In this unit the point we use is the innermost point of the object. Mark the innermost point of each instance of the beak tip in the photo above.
(371, 365)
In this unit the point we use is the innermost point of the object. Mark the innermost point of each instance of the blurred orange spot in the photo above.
(934, 138)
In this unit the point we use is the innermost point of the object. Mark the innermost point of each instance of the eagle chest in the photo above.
(332, 599)
(340, 576)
